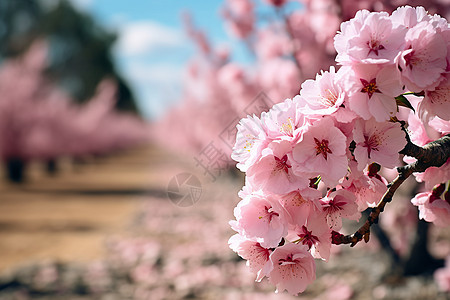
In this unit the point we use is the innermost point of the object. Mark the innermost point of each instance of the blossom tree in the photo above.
(39, 121)
(385, 57)
(287, 44)
(314, 160)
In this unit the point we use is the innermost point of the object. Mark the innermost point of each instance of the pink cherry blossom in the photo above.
(316, 234)
(378, 142)
(284, 121)
(348, 30)
(337, 205)
(250, 141)
(293, 268)
(367, 189)
(372, 91)
(336, 134)
(325, 96)
(248, 189)
(369, 39)
(299, 204)
(256, 255)
(423, 62)
(419, 132)
(322, 151)
(434, 175)
(273, 172)
(432, 208)
(409, 16)
(440, 125)
(436, 102)
(262, 219)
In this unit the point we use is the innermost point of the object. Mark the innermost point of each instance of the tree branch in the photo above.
(433, 154)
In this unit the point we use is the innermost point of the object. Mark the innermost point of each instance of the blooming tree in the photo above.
(314, 160)
(39, 121)
(287, 43)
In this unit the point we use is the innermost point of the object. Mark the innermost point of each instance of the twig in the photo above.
(433, 154)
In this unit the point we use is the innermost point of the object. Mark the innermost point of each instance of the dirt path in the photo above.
(67, 217)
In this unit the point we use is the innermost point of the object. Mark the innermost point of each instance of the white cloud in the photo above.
(150, 55)
(157, 86)
(144, 37)
(154, 73)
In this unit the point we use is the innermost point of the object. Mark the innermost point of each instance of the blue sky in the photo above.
(152, 48)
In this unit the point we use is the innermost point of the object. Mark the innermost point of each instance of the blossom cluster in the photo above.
(38, 120)
(314, 160)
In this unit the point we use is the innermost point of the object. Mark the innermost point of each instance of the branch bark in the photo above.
(433, 154)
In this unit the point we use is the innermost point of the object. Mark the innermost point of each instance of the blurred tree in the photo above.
(17, 25)
(79, 48)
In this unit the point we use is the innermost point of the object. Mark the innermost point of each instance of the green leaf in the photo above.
(402, 101)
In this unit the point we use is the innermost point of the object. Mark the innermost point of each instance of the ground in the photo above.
(105, 229)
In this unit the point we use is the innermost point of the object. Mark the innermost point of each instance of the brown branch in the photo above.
(433, 154)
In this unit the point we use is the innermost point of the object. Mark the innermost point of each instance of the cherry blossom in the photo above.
(334, 138)
(440, 125)
(371, 39)
(262, 219)
(423, 61)
(316, 234)
(432, 208)
(434, 175)
(284, 121)
(419, 132)
(436, 102)
(250, 141)
(409, 16)
(293, 268)
(378, 142)
(273, 172)
(325, 96)
(299, 204)
(256, 255)
(367, 188)
(337, 205)
(321, 152)
(373, 91)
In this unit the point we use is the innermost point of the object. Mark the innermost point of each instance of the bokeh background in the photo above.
(117, 120)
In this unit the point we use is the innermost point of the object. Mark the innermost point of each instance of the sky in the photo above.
(152, 47)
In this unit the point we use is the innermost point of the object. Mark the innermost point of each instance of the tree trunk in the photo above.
(15, 170)
(420, 260)
(52, 167)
